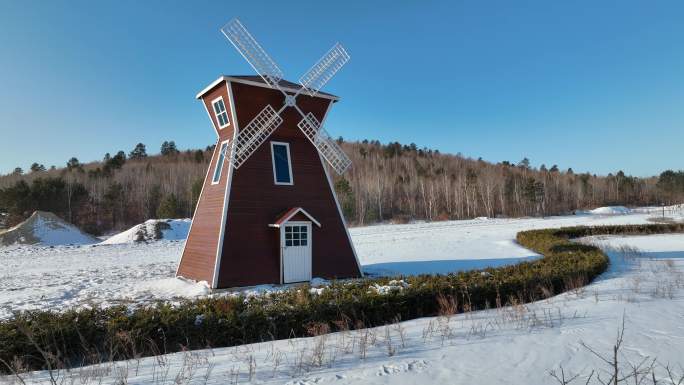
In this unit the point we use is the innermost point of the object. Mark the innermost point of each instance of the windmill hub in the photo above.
(290, 100)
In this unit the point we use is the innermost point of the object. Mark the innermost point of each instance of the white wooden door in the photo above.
(296, 245)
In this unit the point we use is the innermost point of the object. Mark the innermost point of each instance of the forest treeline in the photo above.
(386, 182)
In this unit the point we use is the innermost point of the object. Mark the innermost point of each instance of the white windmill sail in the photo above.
(326, 67)
(326, 145)
(251, 50)
(268, 120)
(254, 134)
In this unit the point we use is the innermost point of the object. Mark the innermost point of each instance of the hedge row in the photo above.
(33, 340)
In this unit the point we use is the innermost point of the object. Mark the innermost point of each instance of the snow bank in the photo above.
(152, 230)
(611, 210)
(45, 229)
(166, 288)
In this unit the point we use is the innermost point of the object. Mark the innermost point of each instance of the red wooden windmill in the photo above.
(267, 212)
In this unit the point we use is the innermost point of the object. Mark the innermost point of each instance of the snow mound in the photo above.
(168, 288)
(46, 229)
(152, 230)
(611, 210)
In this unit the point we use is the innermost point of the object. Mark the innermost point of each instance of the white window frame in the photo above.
(289, 164)
(216, 179)
(216, 113)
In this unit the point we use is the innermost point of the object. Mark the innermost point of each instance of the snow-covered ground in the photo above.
(38, 277)
(511, 345)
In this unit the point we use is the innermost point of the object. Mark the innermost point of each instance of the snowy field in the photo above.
(40, 277)
(512, 345)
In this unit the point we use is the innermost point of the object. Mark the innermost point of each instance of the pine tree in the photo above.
(139, 152)
(73, 163)
(169, 148)
(199, 156)
(35, 167)
(168, 208)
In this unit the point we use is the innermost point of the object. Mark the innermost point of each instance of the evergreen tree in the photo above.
(196, 190)
(35, 167)
(114, 202)
(152, 202)
(169, 207)
(113, 163)
(139, 152)
(346, 197)
(199, 156)
(169, 148)
(18, 171)
(73, 163)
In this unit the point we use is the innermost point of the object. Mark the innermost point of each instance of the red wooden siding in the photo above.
(251, 249)
(199, 254)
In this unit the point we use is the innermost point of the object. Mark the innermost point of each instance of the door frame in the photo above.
(282, 246)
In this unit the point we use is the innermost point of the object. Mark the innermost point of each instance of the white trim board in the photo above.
(226, 196)
(206, 178)
(299, 210)
(337, 203)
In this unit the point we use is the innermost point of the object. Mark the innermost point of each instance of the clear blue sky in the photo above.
(593, 85)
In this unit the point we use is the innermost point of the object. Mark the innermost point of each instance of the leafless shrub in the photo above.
(428, 330)
(447, 304)
(576, 285)
(618, 369)
(400, 331)
(561, 377)
(391, 350)
(363, 344)
(546, 290)
(14, 369)
(318, 351)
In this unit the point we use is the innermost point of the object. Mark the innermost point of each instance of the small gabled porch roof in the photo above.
(291, 213)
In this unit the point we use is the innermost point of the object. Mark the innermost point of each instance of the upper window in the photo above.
(219, 163)
(282, 167)
(220, 112)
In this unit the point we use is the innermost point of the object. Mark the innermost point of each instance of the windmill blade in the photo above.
(254, 134)
(325, 144)
(250, 49)
(321, 72)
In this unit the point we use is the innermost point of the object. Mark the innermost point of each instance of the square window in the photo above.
(302, 229)
(288, 235)
(295, 242)
(303, 242)
(288, 243)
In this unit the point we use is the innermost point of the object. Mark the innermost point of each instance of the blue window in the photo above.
(219, 163)
(282, 166)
